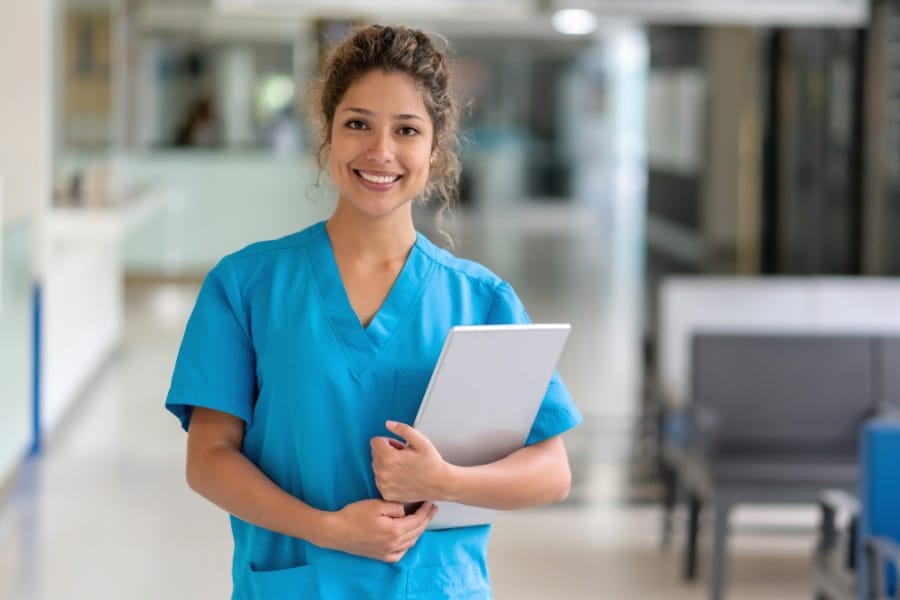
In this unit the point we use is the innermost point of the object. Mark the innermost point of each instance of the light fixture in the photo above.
(275, 93)
(574, 21)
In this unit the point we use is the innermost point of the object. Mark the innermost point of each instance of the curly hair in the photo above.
(396, 50)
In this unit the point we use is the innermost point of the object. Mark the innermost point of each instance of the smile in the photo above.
(378, 179)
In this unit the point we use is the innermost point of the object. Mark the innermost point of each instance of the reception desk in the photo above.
(213, 203)
(82, 293)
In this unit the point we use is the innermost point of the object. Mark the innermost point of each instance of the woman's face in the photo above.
(381, 140)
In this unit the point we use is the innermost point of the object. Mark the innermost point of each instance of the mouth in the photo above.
(377, 180)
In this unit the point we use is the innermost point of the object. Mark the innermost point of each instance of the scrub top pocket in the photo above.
(297, 583)
(449, 582)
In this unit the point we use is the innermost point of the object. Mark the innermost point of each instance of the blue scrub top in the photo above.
(274, 341)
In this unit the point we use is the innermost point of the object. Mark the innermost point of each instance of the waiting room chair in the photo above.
(773, 419)
(858, 551)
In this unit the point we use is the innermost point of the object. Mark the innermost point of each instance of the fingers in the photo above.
(379, 443)
(421, 518)
(394, 557)
(378, 529)
(414, 526)
(417, 520)
(412, 437)
(391, 509)
(387, 466)
(395, 510)
(425, 514)
(384, 448)
(426, 510)
(429, 514)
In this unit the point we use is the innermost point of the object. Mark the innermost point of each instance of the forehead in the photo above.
(385, 94)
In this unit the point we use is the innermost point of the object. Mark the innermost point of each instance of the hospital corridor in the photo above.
(706, 191)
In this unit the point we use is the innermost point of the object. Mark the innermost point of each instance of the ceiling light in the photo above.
(574, 21)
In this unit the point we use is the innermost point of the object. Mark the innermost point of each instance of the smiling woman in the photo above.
(303, 355)
(381, 145)
(397, 51)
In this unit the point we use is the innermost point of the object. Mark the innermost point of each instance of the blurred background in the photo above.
(649, 170)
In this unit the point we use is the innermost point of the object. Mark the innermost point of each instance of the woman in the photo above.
(303, 354)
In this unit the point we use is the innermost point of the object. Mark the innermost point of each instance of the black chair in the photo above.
(774, 419)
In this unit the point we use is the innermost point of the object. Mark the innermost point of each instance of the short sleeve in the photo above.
(558, 412)
(216, 365)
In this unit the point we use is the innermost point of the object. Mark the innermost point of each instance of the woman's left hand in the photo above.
(411, 472)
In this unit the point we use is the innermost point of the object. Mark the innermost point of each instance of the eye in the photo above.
(408, 131)
(356, 124)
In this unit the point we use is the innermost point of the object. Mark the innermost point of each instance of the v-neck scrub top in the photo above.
(274, 341)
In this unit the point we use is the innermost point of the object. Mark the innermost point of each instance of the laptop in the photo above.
(483, 397)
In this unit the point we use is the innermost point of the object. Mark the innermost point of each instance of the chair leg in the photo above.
(719, 567)
(689, 572)
(670, 498)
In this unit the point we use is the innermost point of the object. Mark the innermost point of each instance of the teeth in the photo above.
(382, 179)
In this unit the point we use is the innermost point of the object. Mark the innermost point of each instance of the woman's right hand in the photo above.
(378, 529)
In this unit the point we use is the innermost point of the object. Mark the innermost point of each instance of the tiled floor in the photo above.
(105, 513)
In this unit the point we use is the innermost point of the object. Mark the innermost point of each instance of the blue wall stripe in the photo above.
(36, 371)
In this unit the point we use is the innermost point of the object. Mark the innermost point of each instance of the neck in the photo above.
(371, 239)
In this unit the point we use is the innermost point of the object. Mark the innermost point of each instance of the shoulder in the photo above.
(270, 249)
(452, 266)
(460, 277)
(265, 254)
(262, 268)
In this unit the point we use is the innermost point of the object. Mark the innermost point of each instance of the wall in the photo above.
(25, 167)
(25, 106)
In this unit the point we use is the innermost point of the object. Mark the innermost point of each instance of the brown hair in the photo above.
(396, 50)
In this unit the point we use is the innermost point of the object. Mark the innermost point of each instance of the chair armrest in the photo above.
(839, 501)
(840, 512)
(880, 551)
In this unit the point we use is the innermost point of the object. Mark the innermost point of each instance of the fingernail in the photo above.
(391, 423)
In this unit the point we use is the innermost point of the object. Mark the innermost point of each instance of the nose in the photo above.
(381, 150)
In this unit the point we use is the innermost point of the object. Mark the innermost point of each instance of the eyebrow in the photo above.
(370, 114)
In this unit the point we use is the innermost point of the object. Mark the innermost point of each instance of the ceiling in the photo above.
(453, 18)
(746, 12)
(484, 19)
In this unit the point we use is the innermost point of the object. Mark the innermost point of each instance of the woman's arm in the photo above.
(218, 471)
(532, 476)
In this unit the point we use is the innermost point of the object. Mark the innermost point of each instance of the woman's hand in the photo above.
(378, 529)
(531, 476)
(411, 472)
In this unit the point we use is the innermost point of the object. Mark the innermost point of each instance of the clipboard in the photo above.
(483, 397)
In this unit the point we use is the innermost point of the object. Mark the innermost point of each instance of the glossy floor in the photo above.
(105, 513)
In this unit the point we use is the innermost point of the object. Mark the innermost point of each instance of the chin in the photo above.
(381, 212)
